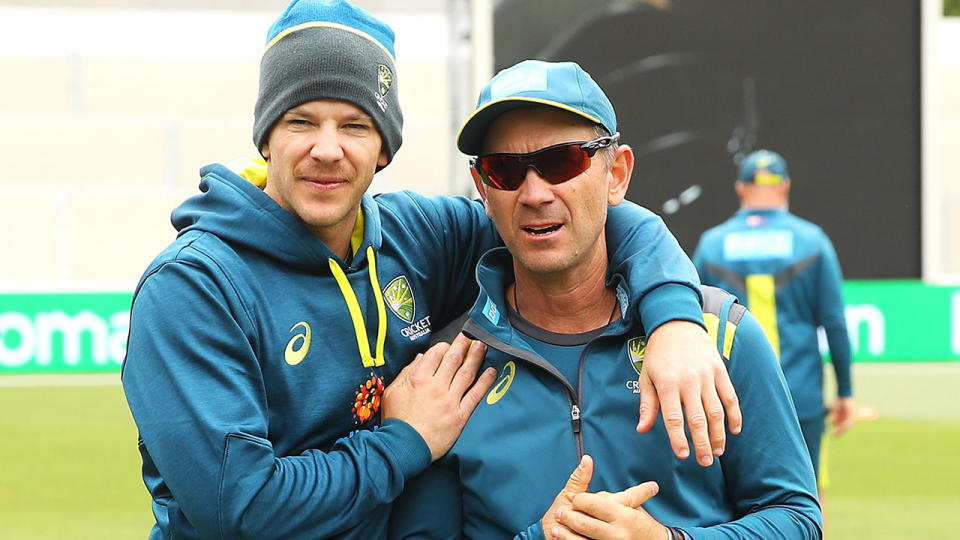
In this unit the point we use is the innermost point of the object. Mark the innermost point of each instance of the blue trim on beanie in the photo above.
(334, 11)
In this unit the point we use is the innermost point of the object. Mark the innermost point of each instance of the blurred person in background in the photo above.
(264, 370)
(787, 271)
(559, 325)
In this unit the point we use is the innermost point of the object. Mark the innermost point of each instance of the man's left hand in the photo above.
(683, 371)
(611, 516)
(844, 410)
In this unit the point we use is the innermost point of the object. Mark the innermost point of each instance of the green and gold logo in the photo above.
(637, 347)
(384, 79)
(400, 299)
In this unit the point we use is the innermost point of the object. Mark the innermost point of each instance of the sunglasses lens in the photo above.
(555, 164)
(562, 163)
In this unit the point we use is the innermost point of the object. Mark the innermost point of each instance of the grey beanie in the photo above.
(329, 50)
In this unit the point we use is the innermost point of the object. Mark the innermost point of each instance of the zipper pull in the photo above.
(575, 417)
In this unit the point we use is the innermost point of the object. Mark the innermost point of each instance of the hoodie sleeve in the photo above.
(830, 315)
(767, 468)
(657, 270)
(455, 233)
(430, 506)
(197, 394)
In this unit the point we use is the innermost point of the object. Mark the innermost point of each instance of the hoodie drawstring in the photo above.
(356, 315)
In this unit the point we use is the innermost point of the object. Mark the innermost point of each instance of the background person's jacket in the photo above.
(786, 271)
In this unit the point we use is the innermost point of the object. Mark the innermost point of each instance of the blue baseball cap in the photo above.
(763, 167)
(564, 85)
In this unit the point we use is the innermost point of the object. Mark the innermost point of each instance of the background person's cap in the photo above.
(763, 167)
(564, 85)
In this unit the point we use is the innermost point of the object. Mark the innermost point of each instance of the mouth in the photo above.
(325, 182)
(542, 230)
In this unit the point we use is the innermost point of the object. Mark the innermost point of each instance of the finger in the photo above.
(473, 396)
(713, 409)
(649, 404)
(728, 396)
(582, 523)
(427, 366)
(467, 372)
(636, 496)
(696, 419)
(599, 507)
(579, 479)
(453, 358)
(559, 532)
(672, 413)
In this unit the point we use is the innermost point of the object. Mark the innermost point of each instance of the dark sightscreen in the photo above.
(832, 86)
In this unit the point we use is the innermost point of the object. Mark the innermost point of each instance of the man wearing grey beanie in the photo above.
(269, 366)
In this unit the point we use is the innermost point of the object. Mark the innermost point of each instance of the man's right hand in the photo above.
(436, 393)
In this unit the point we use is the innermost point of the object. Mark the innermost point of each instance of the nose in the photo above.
(326, 145)
(535, 191)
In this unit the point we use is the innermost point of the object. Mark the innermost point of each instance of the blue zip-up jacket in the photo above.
(528, 435)
(787, 270)
(256, 357)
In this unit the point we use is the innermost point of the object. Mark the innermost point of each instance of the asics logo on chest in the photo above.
(299, 344)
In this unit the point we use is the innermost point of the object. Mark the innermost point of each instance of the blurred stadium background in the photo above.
(109, 108)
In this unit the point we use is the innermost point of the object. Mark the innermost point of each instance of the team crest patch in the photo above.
(367, 401)
(384, 83)
(637, 347)
(398, 296)
(400, 299)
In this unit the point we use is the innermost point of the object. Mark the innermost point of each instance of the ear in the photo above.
(383, 160)
(739, 188)
(619, 175)
(481, 188)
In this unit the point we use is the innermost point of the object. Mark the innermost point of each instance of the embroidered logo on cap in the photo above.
(384, 83)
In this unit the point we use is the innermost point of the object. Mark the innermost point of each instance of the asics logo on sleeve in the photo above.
(299, 344)
(503, 383)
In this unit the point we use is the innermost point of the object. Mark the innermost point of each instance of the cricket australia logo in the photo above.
(636, 348)
(384, 83)
(399, 298)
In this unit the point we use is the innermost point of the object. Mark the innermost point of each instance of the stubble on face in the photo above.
(322, 156)
(551, 230)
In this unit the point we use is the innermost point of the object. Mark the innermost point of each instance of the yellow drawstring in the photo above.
(363, 344)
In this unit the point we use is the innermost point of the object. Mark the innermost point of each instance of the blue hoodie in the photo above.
(787, 271)
(256, 357)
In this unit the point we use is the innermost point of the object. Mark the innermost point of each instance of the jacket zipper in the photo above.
(475, 331)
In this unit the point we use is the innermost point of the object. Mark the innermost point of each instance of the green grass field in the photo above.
(69, 467)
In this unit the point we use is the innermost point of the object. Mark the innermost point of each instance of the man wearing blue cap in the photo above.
(265, 362)
(787, 271)
(560, 328)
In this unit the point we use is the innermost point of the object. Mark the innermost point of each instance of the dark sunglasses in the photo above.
(555, 164)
